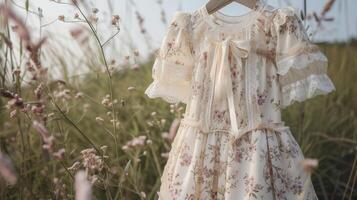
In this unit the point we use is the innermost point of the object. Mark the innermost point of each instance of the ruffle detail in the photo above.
(305, 89)
(173, 67)
(171, 93)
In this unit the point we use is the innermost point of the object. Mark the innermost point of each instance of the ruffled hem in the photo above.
(305, 89)
(171, 93)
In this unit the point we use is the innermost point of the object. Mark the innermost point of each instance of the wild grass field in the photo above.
(101, 123)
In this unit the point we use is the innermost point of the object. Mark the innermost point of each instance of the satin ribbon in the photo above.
(221, 75)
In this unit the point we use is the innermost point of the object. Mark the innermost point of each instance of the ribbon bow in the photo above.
(221, 75)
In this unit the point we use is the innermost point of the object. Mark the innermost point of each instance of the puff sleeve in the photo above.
(173, 66)
(301, 66)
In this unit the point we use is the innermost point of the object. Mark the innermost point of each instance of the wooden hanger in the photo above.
(214, 5)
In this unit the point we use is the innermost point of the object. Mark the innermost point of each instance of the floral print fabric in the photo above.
(235, 74)
(261, 165)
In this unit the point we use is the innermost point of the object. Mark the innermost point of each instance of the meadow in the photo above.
(100, 125)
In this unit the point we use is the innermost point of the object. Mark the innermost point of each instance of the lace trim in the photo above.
(315, 67)
(171, 93)
(300, 61)
(305, 89)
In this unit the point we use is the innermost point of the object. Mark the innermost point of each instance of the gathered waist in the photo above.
(273, 126)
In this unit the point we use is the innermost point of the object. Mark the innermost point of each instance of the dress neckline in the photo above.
(222, 21)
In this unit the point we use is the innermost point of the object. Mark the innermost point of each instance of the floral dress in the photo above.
(235, 74)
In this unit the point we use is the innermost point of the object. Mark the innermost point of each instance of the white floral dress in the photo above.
(235, 74)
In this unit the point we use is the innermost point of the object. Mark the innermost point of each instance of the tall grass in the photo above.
(100, 122)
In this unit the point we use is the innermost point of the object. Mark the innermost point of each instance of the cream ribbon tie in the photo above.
(220, 74)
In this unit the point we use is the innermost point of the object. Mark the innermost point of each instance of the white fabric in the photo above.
(235, 74)
(171, 93)
(172, 69)
(310, 87)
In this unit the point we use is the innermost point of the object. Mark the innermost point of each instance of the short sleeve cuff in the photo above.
(307, 88)
(170, 92)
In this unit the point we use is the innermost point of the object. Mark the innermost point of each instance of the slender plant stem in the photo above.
(96, 37)
(106, 66)
(77, 128)
(111, 37)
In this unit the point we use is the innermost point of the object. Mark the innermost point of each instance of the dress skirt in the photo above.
(263, 164)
